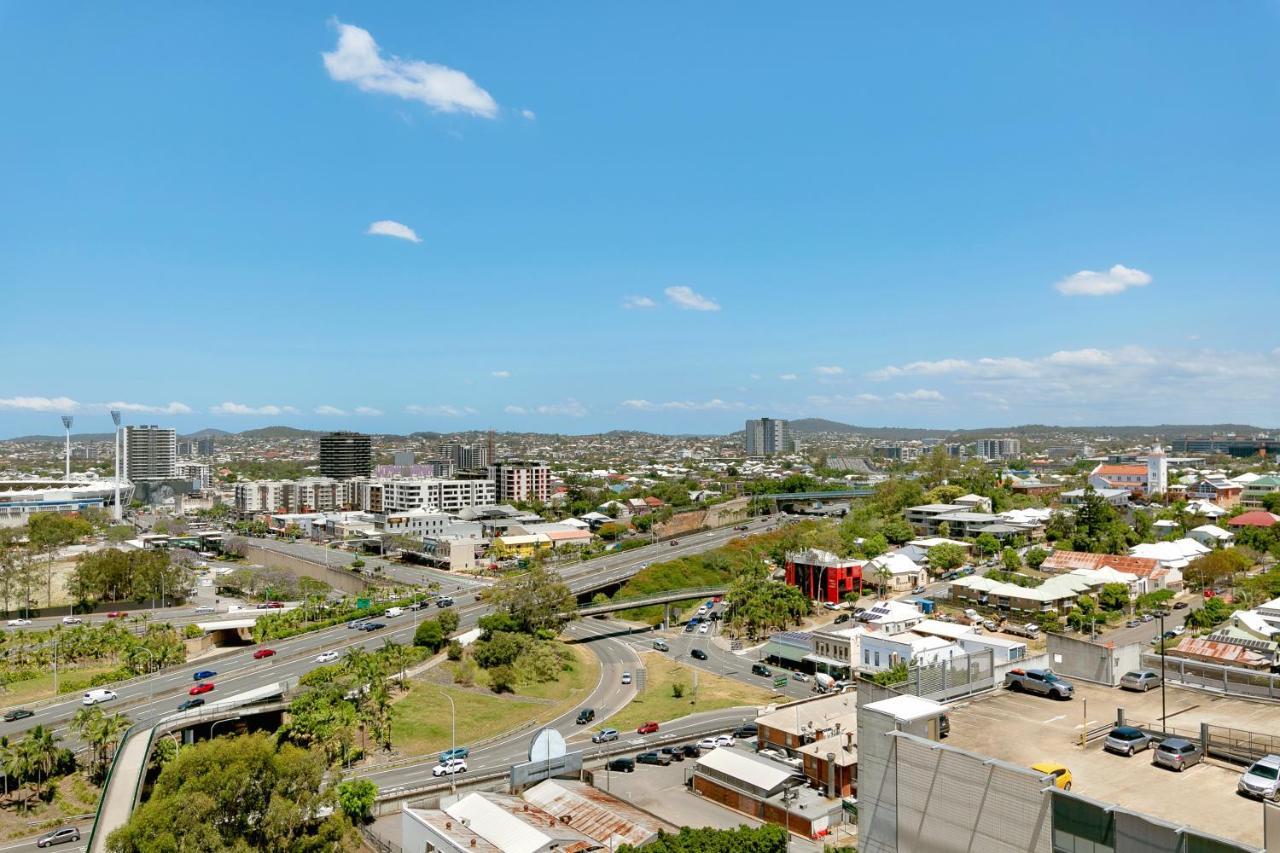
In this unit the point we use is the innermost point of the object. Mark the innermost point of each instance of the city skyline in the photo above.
(543, 228)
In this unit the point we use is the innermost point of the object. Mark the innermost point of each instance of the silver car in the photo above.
(604, 736)
(1177, 754)
(1262, 779)
(1140, 680)
(1126, 740)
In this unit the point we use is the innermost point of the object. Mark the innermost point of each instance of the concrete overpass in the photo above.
(123, 787)
(668, 597)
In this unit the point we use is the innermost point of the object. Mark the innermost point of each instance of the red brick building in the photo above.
(822, 575)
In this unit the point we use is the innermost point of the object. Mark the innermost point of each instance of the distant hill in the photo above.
(1163, 431)
(278, 432)
(208, 432)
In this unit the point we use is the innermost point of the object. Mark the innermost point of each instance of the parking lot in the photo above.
(1025, 729)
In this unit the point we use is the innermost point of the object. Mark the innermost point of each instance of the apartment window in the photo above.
(866, 657)
(877, 659)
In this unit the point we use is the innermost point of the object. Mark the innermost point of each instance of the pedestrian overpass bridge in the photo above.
(668, 597)
(122, 789)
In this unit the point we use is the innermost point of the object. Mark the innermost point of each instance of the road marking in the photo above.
(1055, 719)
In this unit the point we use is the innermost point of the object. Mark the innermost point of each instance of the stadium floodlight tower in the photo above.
(115, 417)
(66, 424)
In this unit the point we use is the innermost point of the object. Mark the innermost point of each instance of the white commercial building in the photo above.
(440, 495)
(521, 481)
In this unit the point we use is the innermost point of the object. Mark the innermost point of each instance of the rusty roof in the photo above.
(1217, 652)
(594, 812)
(1065, 561)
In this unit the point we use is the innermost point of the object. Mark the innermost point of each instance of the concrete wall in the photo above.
(346, 581)
(1101, 663)
(718, 515)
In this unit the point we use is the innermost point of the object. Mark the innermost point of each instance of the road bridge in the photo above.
(122, 789)
(668, 597)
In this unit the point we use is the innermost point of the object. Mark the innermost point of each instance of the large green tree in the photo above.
(744, 839)
(536, 600)
(239, 794)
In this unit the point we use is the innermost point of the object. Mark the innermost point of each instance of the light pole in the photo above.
(66, 424)
(151, 665)
(1163, 711)
(453, 741)
(115, 417)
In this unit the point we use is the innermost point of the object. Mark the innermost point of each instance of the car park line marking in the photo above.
(1085, 725)
(1055, 719)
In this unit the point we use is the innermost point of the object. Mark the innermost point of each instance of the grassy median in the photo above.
(659, 702)
(421, 719)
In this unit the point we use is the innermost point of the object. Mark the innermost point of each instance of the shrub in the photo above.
(677, 690)
(502, 679)
(455, 650)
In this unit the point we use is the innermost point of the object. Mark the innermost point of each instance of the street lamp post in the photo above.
(453, 741)
(1163, 711)
(151, 665)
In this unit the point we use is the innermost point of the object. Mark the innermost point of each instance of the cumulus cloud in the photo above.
(391, 228)
(1115, 280)
(358, 59)
(66, 406)
(516, 410)
(367, 411)
(229, 408)
(500, 374)
(681, 405)
(530, 115)
(687, 299)
(634, 302)
(927, 395)
(569, 408)
(828, 370)
(328, 410)
(443, 410)
(39, 404)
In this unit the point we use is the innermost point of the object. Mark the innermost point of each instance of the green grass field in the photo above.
(35, 689)
(659, 703)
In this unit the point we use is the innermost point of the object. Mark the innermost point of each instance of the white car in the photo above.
(326, 657)
(450, 767)
(715, 742)
(626, 678)
(19, 623)
(704, 627)
(72, 620)
(724, 740)
(93, 697)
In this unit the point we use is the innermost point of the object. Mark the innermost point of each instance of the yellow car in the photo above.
(1061, 775)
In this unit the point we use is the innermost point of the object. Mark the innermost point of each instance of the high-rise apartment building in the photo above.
(465, 456)
(344, 455)
(521, 481)
(150, 453)
(767, 437)
(997, 448)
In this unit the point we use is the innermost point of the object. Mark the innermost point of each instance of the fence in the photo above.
(962, 675)
(1230, 680)
(1238, 746)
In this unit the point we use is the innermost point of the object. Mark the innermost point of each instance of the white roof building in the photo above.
(1176, 554)
(1212, 535)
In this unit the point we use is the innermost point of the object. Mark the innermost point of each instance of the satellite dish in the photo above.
(547, 744)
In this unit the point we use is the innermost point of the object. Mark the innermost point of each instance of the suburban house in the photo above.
(1212, 536)
(1118, 498)
(1056, 595)
(1254, 490)
(1217, 490)
(1254, 518)
(957, 519)
(1174, 554)
(896, 572)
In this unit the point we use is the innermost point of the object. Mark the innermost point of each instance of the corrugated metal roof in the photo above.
(1227, 653)
(594, 812)
(739, 765)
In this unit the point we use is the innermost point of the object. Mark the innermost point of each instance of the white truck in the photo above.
(1030, 630)
(393, 612)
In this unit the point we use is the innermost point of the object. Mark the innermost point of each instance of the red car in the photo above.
(275, 604)
(647, 728)
(263, 653)
(202, 687)
(117, 614)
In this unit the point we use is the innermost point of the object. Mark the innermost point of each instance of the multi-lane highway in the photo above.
(147, 699)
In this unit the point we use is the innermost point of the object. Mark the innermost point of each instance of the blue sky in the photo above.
(655, 216)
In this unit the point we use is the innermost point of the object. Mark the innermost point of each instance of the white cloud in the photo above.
(500, 374)
(367, 411)
(391, 228)
(328, 410)
(357, 59)
(39, 404)
(754, 376)
(516, 410)
(869, 398)
(230, 408)
(1115, 280)
(633, 302)
(66, 405)
(920, 395)
(444, 410)
(788, 377)
(689, 300)
(529, 114)
(569, 408)
(828, 370)
(681, 405)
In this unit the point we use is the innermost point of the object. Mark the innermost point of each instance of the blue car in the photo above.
(203, 674)
(456, 752)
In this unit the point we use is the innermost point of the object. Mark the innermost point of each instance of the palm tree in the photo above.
(16, 766)
(41, 744)
(397, 657)
(112, 729)
(5, 752)
(883, 576)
